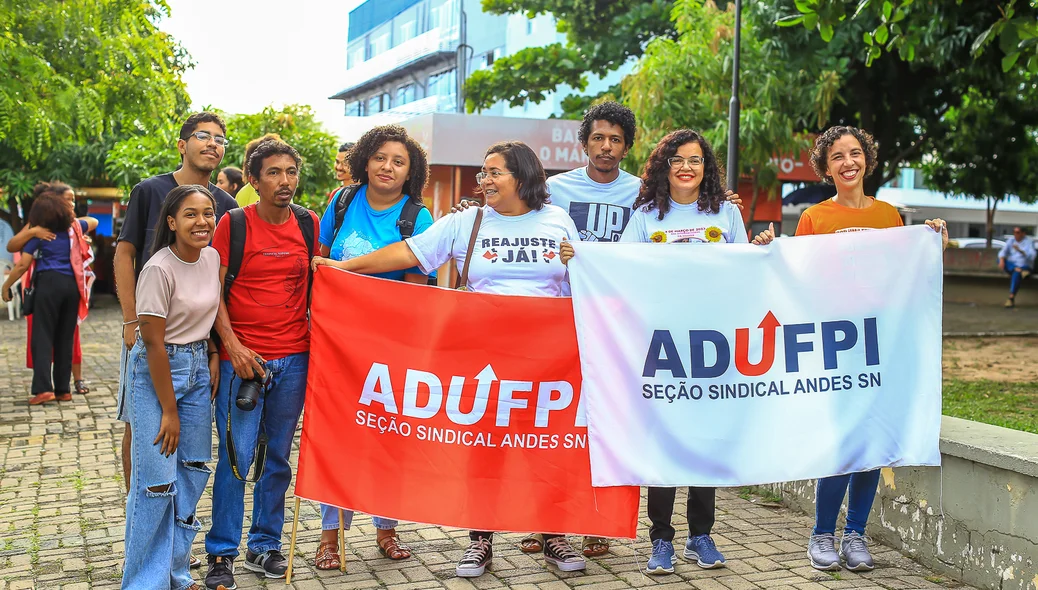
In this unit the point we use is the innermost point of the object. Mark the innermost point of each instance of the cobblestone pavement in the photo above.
(62, 513)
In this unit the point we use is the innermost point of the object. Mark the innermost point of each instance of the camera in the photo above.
(251, 389)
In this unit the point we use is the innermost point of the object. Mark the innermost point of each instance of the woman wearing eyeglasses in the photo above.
(515, 252)
(682, 200)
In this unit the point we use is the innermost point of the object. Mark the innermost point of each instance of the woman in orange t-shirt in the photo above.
(845, 156)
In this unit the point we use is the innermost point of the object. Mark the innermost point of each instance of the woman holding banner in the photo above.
(845, 156)
(391, 169)
(682, 200)
(516, 217)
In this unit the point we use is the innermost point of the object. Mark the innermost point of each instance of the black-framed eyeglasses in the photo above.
(205, 136)
(679, 162)
(494, 174)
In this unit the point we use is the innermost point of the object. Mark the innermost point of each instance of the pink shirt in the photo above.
(187, 294)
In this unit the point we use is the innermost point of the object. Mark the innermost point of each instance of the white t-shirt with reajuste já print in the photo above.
(687, 224)
(516, 255)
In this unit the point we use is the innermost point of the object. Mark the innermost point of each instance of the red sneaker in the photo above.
(41, 398)
(63, 397)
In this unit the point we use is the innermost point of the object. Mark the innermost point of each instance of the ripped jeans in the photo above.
(160, 508)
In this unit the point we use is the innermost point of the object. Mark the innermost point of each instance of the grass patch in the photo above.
(77, 480)
(88, 524)
(1010, 405)
(765, 494)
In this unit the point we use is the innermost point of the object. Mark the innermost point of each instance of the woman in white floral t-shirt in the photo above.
(682, 201)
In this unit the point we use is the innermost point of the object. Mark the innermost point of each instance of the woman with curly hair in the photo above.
(682, 200)
(390, 169)
(517, 235)
(845, 157)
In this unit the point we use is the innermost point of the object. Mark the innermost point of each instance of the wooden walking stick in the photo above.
(342, 544)
(292, 546)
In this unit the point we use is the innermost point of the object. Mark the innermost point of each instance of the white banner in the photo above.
(730, 364)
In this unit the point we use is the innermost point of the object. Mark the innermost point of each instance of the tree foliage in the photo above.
(601, 35)
(987, 147)
(141, 156)
(908, 27)
(298, 126)
(903, 101)
(76, 74)
(685, 82)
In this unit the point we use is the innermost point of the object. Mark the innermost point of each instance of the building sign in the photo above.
(462, 140)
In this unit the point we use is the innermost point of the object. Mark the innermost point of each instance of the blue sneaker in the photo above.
(662, 560)
(702, 549)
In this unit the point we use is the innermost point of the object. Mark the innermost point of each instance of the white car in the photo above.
(975, 243)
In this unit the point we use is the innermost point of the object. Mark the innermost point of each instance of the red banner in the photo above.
(450, 408)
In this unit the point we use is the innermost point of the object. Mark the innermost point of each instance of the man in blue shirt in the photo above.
(1017, 259)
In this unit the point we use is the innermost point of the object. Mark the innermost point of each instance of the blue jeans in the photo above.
(1014, 276)
(330, 519)
(124, 380)
(276, 414)
(164, 491)
(829, 496)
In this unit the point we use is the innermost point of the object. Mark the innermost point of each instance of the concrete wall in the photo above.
(980, 527)
(971, 261)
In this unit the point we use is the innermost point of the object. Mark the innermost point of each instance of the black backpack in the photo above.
(237, 249)
(408, 215)
(405, 224)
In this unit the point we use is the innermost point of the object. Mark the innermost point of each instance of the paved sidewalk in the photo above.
(62, 513)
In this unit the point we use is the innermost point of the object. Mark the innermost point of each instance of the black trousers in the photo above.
(53, 328)
(477, 535)
(699, 511)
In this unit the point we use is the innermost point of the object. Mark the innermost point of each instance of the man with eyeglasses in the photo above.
(203, 139)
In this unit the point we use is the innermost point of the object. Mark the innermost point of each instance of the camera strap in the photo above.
(261, 445)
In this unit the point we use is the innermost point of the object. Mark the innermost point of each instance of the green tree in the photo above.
(908, 26)
(901, 102)
(601, 35)
(141, 156)
(987, 148)
(76, 74)
(685, 82)
(297, 125)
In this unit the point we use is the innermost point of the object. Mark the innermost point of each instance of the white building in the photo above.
(410, 57)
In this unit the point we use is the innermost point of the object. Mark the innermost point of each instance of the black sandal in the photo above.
(81, 387)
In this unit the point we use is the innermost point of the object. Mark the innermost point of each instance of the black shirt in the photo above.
(142, 212)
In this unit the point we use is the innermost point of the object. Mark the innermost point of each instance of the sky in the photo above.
(252, 53)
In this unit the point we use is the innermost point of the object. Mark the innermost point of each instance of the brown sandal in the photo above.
(390, 546)
(595, 546)
(532, 543)
(327, 557)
